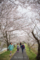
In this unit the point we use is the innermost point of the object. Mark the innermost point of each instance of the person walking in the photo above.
(22, 47)
(20, 44)
(10, 47)
(17, 47)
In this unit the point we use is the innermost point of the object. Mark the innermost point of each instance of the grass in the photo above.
(5, 55)
(31, 54)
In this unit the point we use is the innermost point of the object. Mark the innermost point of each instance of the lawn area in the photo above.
(5, 55)
(30, 53)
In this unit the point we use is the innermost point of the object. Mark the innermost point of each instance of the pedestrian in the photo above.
(22, 47)
(20, 44)
(10, 47)
(18, 47)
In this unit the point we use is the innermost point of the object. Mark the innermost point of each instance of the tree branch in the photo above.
(35, 37)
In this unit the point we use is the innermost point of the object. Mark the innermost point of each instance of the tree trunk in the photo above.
(7, 41)
(38, 56)
(7, 45)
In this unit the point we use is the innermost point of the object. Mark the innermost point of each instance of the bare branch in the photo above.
(35, 37)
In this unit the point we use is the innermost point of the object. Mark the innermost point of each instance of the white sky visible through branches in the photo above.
(23, 17)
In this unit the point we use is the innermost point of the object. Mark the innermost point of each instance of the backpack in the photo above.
(23, 47)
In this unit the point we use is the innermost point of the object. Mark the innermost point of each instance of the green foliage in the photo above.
(4, 45)
(5, 55)
(31, 54)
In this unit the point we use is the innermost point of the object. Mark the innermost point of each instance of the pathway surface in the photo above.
(20, 56)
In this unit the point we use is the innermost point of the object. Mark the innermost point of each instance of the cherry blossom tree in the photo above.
(36, 35)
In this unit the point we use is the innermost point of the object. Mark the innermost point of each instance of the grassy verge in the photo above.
(5, 55)
(31, 54)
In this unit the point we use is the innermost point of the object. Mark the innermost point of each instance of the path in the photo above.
(20, 56)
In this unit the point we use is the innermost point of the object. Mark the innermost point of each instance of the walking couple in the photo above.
(22, 46)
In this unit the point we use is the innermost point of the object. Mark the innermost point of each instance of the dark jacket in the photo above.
(22, 46)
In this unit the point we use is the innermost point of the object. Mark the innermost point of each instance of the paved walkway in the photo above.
(20, 56)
